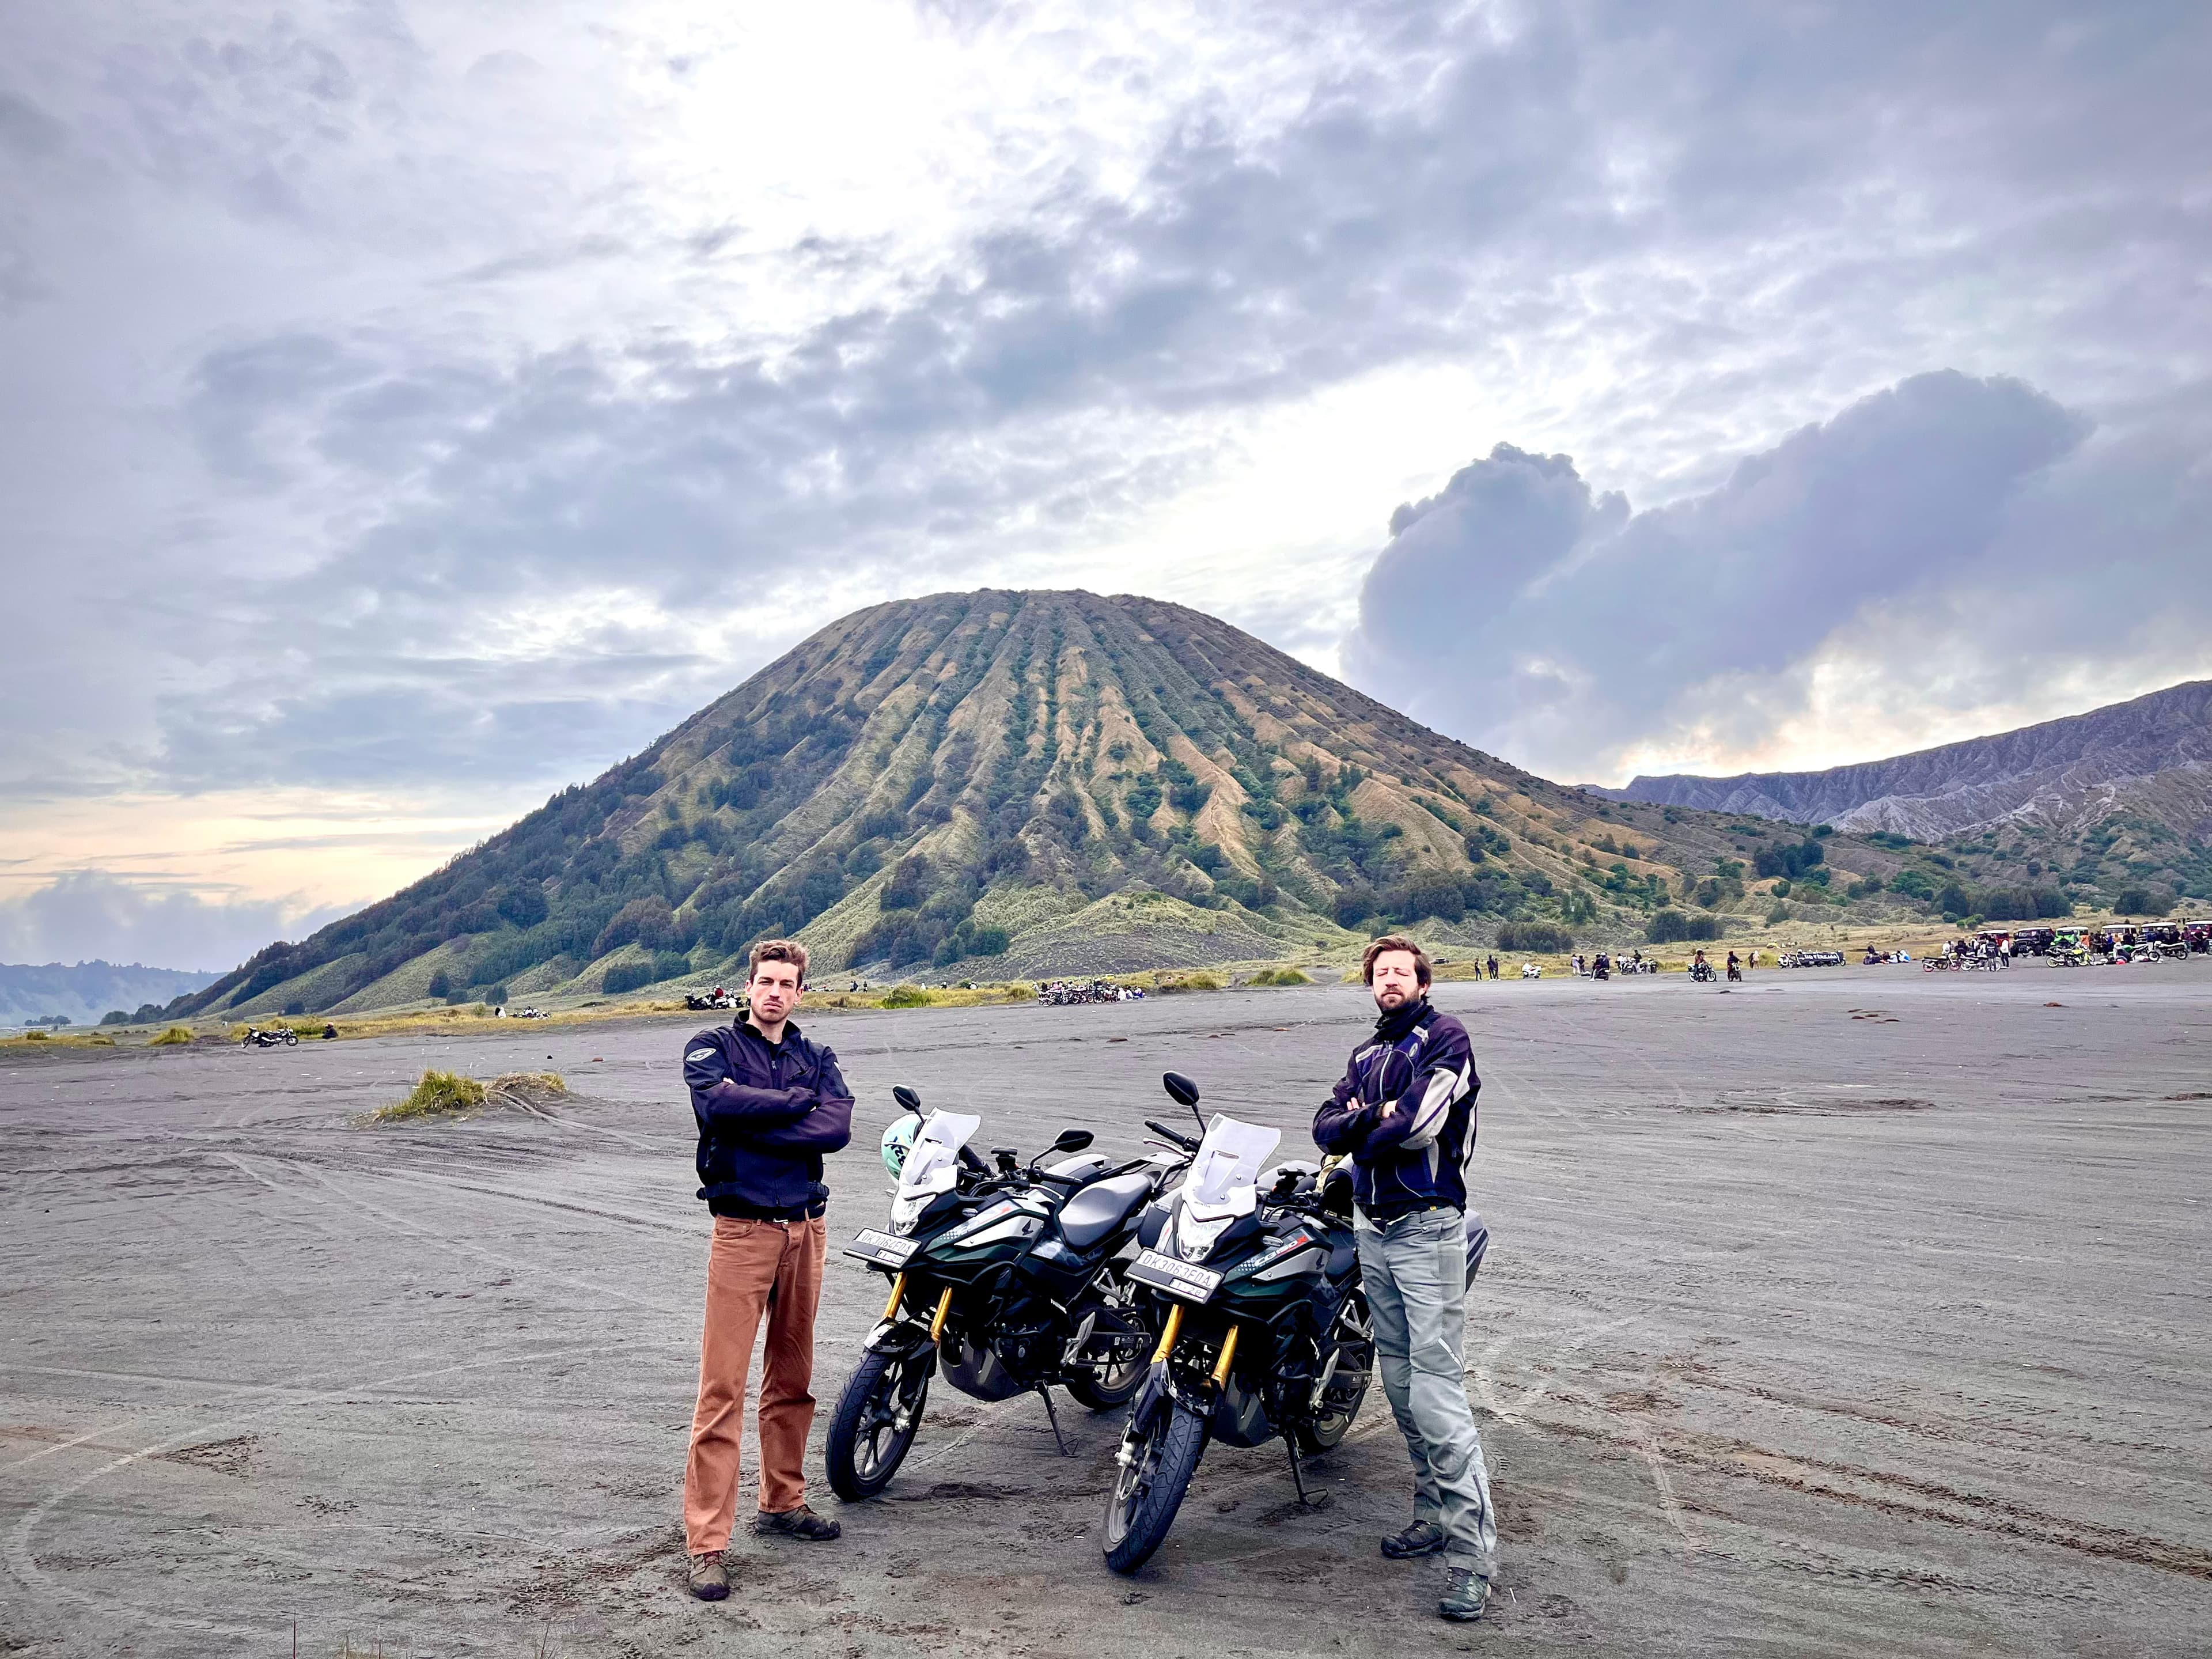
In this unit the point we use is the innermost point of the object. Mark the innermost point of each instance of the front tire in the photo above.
(1149, 1489)
(867, 1442)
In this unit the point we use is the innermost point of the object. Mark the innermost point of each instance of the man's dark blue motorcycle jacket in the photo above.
(767, 1113)
(1404, 1113)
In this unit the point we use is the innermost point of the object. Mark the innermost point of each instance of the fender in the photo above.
(903, 1339)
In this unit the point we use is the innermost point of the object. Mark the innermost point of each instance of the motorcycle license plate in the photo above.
(1164, 1273)
(880, 1248)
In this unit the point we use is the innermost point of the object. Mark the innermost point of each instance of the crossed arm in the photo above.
(813, 1117)
(1345, 1125)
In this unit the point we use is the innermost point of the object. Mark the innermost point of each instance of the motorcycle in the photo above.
(281, 1037)
(1005, 1280)
(1702, 972)
(1265, 1330)
(703, 1001)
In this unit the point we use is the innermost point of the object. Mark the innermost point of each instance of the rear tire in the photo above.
(1109, 1389)
(1145, 1495)
(865, 1445)
(1347, 1389)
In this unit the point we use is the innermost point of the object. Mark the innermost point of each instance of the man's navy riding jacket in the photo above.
(1405, 1113)
(767, 1113)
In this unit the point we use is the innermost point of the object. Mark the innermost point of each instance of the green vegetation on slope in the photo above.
(1003, 784)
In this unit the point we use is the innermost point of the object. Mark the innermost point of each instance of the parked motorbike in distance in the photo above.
(701, 1001)
(281, 1037)
(1005, 1278)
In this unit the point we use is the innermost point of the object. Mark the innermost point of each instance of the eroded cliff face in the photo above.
(2149, 758)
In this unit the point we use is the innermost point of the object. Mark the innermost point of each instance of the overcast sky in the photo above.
(409, 409)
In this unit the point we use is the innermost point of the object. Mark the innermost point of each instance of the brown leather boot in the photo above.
(707, 1577)
(801, 1523)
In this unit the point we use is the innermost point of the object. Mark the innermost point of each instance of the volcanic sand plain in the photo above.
(1846, 1311)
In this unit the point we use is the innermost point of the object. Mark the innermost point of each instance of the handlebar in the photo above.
(1186, 1142)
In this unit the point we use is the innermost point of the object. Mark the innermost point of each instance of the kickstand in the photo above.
(1297, 1475)
(1053, 1416)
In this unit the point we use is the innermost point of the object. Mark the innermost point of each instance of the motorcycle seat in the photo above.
(1082, 1166)
(1100, 1207)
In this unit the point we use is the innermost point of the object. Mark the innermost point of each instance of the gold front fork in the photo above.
(1228, 1355)
(898, 1290)
(944, 1312)
(1171, 1330)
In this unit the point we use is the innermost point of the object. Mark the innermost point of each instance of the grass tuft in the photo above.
(437, 1094)
(1280, 976)
(905, 996)
(530, 1088)
(1171, 980)
(175, 1036)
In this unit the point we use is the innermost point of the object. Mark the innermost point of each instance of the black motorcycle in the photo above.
(1005, 1278)
(1264, 1326)
(1702, 972)
(281, 1037)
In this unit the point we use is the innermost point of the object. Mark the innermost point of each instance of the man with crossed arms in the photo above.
(1404, 1114)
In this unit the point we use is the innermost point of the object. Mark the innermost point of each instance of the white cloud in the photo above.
(88, 914)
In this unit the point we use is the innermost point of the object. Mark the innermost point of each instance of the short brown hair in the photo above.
(1395, 942)
(791, 950)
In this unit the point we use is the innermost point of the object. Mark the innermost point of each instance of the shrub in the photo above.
(2142, 901)
(1544, 938)
(441, 986)
(626, 976)
(905, 996)
(1782, 890)
(1672, 927)
(294, 1008)
(174, 1036)
(1779, 914)
(1791, 861)
(988, 942)
(495, 995)
(34, 1036)
(1280, 976)
(1169, 980)
(435, 1094)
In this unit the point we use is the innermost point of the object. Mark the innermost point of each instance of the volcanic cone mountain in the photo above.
(999, 784)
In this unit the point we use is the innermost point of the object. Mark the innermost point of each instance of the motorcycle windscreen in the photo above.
(933, 1164)
(1224, 1177)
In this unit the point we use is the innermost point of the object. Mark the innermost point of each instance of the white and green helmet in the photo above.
(898, 1141)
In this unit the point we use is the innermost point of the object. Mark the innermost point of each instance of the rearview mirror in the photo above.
(907, 1097)
(1073, 1140)
(1180, 1089)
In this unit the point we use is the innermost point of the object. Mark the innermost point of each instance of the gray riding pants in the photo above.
(1414, 1270)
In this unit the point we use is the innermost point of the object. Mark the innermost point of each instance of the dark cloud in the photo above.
(1949, 539)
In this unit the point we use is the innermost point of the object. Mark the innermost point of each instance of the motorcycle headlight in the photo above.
(1194, 1239)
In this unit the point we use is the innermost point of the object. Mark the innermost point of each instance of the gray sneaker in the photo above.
(1422, 1538)
(706, 1578)
(1465, 1595)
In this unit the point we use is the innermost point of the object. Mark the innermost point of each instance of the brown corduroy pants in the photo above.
(753, 1268)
